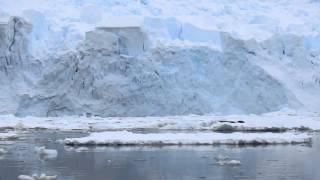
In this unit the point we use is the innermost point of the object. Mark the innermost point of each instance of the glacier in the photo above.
(156, 73)
(153, 58)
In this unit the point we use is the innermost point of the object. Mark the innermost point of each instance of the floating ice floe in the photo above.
(225, 160)
(36, 177)
(221, 157)
(3, 151)
(229, 162)
(200, 138)
(8, 136)
(46, 153)
(25, 177)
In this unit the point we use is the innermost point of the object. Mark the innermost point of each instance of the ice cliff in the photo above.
(124, 71)
(18, 71)
(13, 46)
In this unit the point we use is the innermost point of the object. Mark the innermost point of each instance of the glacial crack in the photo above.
(15, 20)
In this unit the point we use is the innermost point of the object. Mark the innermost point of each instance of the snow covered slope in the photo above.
(147, 58)
(62, 24)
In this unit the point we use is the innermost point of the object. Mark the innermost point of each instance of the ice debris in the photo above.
(3, 151)
(37, 177)
(225, 160)
(46, 153)
(229, 162)
(8, 136)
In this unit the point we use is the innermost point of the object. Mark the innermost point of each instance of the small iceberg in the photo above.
(46, 153)
(229, 162)
(8, 136)
(225, 160)
(36, 177)
(3, 151)
(25, 177)
(222, 157)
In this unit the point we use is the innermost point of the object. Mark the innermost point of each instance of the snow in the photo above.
(244, 19)
(283, 120)
(198, 138)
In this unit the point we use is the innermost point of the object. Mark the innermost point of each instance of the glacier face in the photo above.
(13, 44)
(18, 70)
(153, 58)
(102, 80)
(165, 81)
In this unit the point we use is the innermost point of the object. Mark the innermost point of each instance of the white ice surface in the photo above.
(199, 138)
(61, 23)
(288, 120)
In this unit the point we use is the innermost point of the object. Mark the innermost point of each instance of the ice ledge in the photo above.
(201, 138)
(276, 121)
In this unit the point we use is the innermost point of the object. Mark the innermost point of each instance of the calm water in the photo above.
(158, 163)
